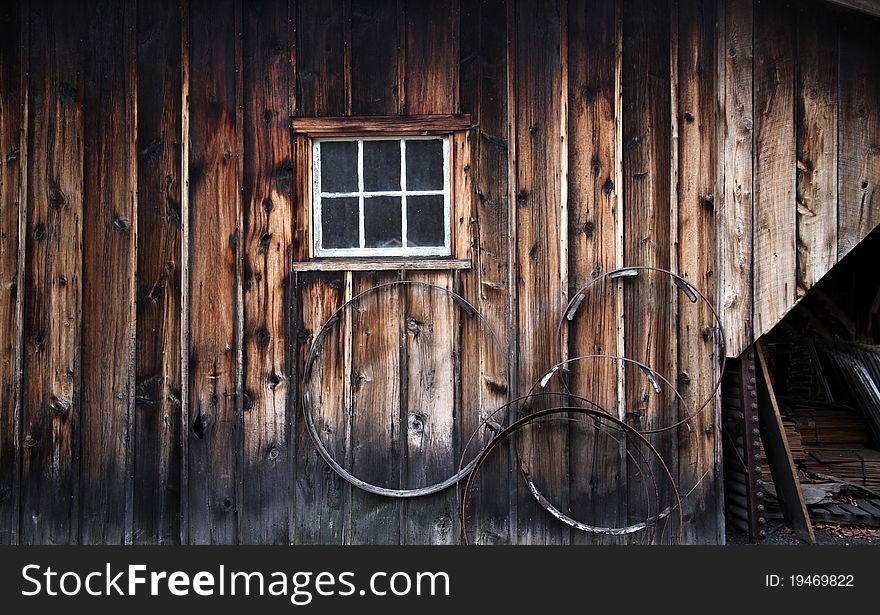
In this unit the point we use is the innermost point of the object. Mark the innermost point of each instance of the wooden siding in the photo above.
(798, 153)
(153, 326)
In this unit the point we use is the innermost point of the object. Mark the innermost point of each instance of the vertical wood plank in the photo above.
(598, 463)
(431, 57)
(321, 498)
(736, 147)
(697, 249)
(320, 495)
(484, 369)
(817, 97)
(540, 291)
(649, 335)
(214, 247)
(157, 436)
(268, 211)
(430, 446)
(375, 52)
(429, 349)
(319, 59)
(53, 285)
(375, 414)
(775, 214)
(859, 164)
(185, 272)
(12, 137)
(377, 58)
(108, 268)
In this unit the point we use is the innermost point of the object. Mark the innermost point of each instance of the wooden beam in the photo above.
(383, 125)
(791, 498)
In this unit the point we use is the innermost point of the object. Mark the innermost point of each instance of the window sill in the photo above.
(382, 264)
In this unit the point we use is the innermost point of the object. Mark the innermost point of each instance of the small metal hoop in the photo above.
(691, 292)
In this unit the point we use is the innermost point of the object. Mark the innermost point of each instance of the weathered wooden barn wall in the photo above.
(153, 326)
(800, 161)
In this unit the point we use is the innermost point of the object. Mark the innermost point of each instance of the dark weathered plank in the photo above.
(540, 290)
(430, 445)
(214, 425)
(859, 164)
(735, 150)
(375, 56)
(268, 185)
(484, 370)
(320, 496)
(648, 230)
(108, 270)
(12, 90)
(598, 464)
(53, 283)
(431, 47)
(320, 87)
(158, 403)
(321, 499)
(698, 444)
(775, 214)
(817, 97)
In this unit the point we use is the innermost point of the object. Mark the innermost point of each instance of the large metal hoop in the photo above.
(467, 308)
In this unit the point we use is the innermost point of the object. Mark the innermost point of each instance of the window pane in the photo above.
(339, 169)
(339, 223)
(424, 164)
(381, 165)
(425, 221)
(382, 224)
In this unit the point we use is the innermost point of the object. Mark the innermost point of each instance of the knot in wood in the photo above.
(416, 423)
(59, 406)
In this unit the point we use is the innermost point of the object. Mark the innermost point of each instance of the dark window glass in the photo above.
(381, 165)
(339, 223)
(424, 164)
(382, 224)
(425, 221)
(339, 168)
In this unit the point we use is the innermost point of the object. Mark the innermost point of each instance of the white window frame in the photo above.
(362, 251)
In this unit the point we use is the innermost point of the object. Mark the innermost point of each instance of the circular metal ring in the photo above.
(691, 292)
(520, 423)
(648, 523)
(651, 374)
(311, 357)
(533, 488)
(496, 427)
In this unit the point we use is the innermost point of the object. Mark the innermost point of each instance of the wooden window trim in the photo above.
(457, 127)
(391, 125)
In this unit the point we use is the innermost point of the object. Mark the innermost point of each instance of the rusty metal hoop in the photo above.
(520, 423)
(312, 356)
(533, 489)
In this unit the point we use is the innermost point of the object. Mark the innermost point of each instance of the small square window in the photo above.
(381, 196)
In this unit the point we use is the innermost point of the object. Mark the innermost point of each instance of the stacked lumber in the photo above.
(855, 370)
(827, 426)
(795, 443)
(855, 466)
